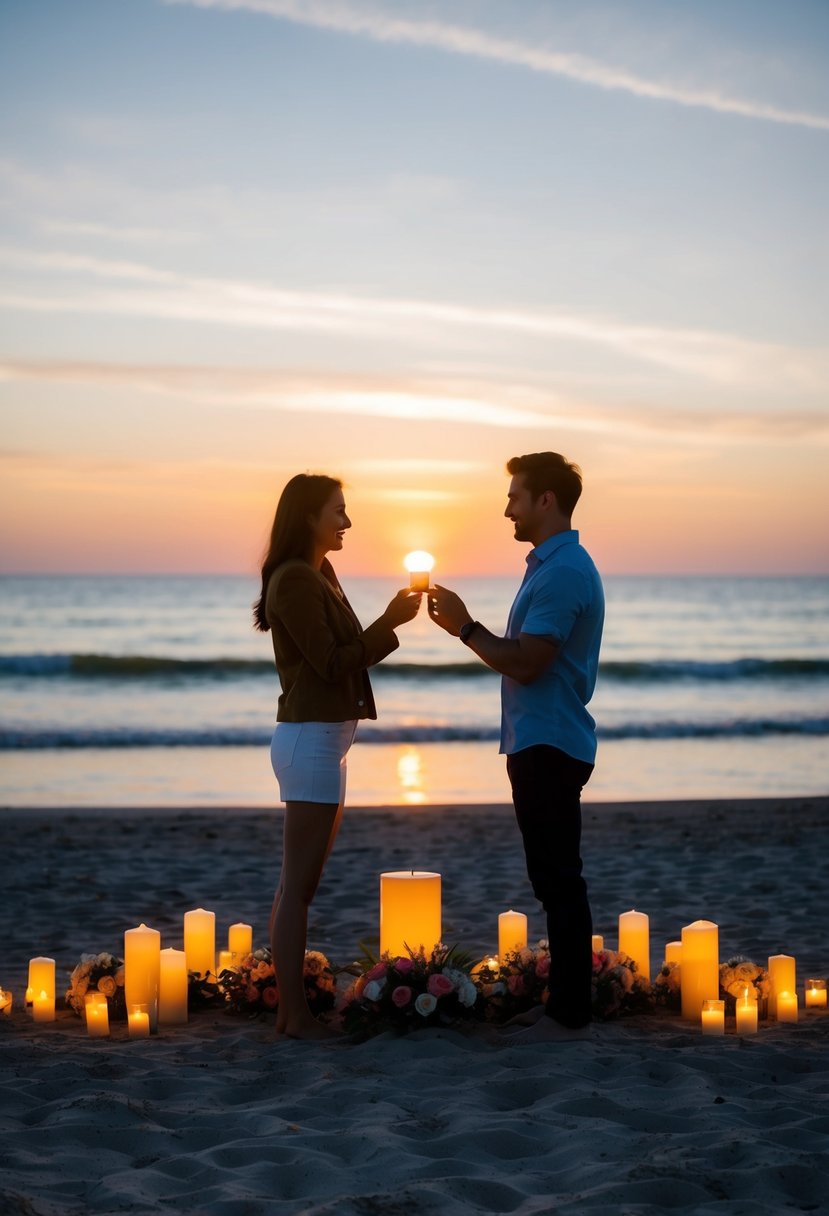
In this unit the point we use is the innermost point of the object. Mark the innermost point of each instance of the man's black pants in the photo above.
(546, 792)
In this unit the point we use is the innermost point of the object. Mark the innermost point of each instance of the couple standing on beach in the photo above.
(548, 662)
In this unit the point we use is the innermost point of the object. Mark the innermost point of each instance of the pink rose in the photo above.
(542, 967)
(439, 985)
(401, 995)
(377, 972)
(270, 996)
(403, 965)
(516, 985)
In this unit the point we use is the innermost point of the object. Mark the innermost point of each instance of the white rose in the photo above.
(458, 978)
(467, 994)
(374, 990)
(425, 1004)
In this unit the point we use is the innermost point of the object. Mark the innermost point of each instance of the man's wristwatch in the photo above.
(465, 631)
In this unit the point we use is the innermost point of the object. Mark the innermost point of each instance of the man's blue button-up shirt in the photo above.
(561, 598)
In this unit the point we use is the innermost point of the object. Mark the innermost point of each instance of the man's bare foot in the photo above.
(528, 1018)
(547, 1030)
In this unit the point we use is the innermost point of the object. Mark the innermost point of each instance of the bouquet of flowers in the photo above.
(407, 992)
(98, 973)
(251, 987)
(739, 974)
(667, 986)
(617, 988)
(515, 985)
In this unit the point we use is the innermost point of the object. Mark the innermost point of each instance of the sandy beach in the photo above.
(648, 1116)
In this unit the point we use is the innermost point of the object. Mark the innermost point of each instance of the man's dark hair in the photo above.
(549, 471)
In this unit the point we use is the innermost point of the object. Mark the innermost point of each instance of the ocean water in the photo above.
(157, 691)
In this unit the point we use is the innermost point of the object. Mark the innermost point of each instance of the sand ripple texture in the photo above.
(217, 1117)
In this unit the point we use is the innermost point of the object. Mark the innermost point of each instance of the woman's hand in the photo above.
(403, 607)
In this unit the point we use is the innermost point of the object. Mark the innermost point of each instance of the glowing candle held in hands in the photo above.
(419, 564)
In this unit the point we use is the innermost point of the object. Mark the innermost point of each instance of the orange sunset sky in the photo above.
(401, 243)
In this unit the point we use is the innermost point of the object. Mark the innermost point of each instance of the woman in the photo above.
(321, 654)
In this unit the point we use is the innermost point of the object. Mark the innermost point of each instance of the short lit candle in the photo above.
(700, 966)
(240, 938)
(673, 952)
(43, 1007)
(172, 986)
(226, 960)
(746, 1014)
(200, 940)
(410, 913)
(598, 943)
(713, 1017)
(142, 963)
(782, 978)
(97, 1015)
(138, 1020)
(419, 564)
(787, 1006)
(816, 994)
(634, 940)
(512, 933)
(41, 979)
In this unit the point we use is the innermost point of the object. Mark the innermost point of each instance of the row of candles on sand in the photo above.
(156, 980)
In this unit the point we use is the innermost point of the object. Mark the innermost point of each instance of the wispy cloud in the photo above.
(383, 26)
(423, 400)
(147, 291)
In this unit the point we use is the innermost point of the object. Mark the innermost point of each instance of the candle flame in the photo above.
(419, 561)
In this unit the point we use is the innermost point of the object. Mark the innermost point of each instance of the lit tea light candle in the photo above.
(782, 978)
(713, 1017)
(598, 943)
(240, 938)
(512, 933)
(634, 940)
(142, 964)
(419, 564)
(816, 994)
(41, 979)
(138, 1020)
(410, 912)
(673, 952)
(172, 986)
(97, 1015)
(200, 940)
(787, 1006)
(746, 1014)
(43, 1007)
(700, 966)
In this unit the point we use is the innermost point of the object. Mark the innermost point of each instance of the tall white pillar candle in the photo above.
(142, 965)
(172, 987)
(781, 979)
(512, 933)
(410, 911)
(240, 938)
(634, 940)
(200, 940)
(700, 976)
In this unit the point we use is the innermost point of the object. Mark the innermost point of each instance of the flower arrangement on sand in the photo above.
(516, 984)
(618, 988)
(667, 989)
(98, 973)
(409, 991)
(250, 987)
(739, 974)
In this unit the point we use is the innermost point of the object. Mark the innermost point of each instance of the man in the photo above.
(548, 663)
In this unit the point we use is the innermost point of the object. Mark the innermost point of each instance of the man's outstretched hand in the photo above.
(447, 609)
